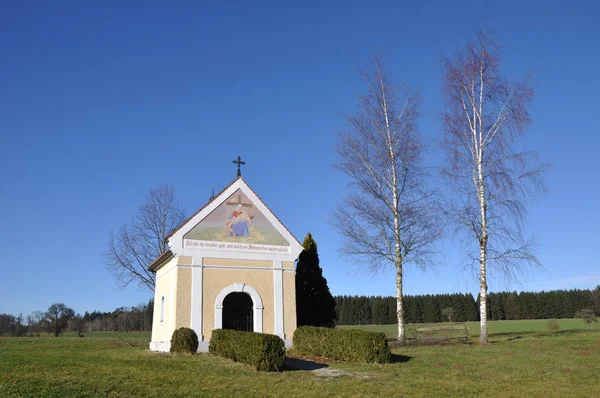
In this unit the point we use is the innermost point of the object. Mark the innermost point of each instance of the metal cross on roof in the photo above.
(239, 163)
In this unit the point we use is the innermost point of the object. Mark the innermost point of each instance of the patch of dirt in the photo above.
(438, 364)
(331, 372)
(326, 371)
(539, 352)
(584, 353)
(457, 367)
(588, 366)
(567, 371)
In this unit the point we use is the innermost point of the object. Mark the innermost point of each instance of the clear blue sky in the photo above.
(98, 102)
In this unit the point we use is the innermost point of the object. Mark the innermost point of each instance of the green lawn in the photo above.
(494, 327)
(515, 364)
(144, 335)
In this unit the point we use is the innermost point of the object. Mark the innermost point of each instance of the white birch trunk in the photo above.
(483, 335)
(395, 204)
(399, 304)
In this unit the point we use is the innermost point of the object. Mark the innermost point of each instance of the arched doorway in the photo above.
(255, 302)
(238, 312)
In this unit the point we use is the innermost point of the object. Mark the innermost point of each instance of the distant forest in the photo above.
(378, 310)
(351, 310)
(123, 319)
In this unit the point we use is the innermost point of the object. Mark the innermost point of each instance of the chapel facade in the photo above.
(231, 265)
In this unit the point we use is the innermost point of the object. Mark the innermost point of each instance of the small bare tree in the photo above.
(595, 293)
(35, 323)
(57, 318)
(448, 313)
(483, 114)
(78, 325)
(389, 217)
(587, 315)
(137, 243)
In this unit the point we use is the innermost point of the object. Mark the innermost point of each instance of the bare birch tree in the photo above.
(493, 181)
(137, 243)
(389, 217)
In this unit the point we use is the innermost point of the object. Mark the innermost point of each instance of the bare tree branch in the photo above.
(137, 243)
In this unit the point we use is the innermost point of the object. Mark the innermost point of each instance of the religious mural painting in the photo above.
(236, 225)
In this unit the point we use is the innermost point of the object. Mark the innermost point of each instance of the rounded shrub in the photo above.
(344, 344)
(184, 340)
(552, 325)
(265, 352)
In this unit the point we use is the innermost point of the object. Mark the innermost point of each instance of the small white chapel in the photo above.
(231, 265)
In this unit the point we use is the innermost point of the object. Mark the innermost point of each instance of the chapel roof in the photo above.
(167, 254)
(202, 208)
(158, 261)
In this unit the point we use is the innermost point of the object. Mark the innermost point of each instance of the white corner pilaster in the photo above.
(170, 317)
(197, 294)
(278, 297)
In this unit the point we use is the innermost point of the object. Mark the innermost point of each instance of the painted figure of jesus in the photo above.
(239, 223)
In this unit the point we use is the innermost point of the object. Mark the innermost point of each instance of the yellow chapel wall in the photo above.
(289, 304)
(183, 297)
(216, 279)
(166, 278)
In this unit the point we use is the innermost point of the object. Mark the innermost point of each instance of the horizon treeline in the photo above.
(381, 310)
(350, 310)
(122, 319)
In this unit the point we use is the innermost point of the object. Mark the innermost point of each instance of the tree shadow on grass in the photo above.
(511, 336)
(292, 364)
(569, 332)
(442, 341)
(397, 358)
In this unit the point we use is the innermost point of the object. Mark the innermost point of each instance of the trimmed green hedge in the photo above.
(263, 351)
(184, 340)
(344, 344)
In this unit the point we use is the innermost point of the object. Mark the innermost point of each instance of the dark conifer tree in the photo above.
(315, 305)
(431, 310)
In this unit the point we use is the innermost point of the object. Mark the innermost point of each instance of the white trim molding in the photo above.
(196, 317)
(240, 288)
(278, 300)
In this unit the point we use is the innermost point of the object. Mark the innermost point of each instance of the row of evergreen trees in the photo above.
(362, 310)
(378, 310)
(554, 304)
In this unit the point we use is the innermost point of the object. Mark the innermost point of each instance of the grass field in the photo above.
(143, 335)
(516, 364)
(494, 327)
